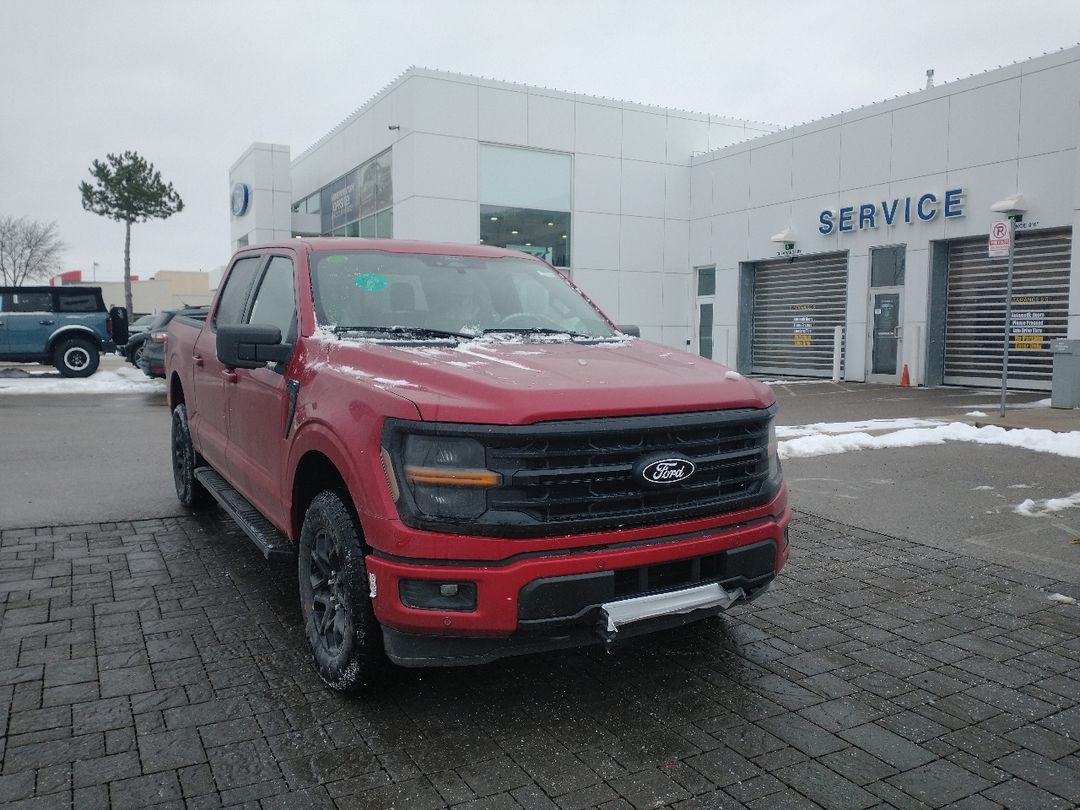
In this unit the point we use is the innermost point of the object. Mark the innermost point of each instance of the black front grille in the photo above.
(588, 476)
(580, 475)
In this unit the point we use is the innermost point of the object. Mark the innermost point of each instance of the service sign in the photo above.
(1000, 239)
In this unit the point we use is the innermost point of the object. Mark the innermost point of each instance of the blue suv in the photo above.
(67, 327)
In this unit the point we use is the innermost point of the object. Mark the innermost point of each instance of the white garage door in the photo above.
(797, 305)
(975, 319)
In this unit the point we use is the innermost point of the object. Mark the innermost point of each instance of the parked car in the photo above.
(465, 457)
(147, 350)
(67, 327)
(137, 340)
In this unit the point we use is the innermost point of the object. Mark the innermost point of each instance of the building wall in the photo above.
(1016, 129)
(630, 186)
(166, 290)
(264, 169)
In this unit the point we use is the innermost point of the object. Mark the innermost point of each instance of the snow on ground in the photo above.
(123, 380)
(974, 413)
(1062, 598)
(818, 428)
(1031, 508)
(830, 438)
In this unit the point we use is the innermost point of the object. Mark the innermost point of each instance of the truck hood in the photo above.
(498, 381)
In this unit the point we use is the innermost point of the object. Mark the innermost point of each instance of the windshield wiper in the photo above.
(405, 332)
(539, 330)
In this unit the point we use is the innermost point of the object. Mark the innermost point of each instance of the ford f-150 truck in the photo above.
(465, 457)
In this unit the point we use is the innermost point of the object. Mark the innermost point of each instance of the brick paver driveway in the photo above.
(161, 662)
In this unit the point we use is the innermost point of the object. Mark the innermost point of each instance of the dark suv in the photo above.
(67, 327)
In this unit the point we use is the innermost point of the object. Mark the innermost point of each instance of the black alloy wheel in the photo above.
(184, 461)
(340, 625)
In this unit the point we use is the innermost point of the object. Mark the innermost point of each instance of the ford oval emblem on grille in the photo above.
(664, 471)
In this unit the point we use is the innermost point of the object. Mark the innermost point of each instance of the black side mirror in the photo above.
(629, 329)
(250, 345)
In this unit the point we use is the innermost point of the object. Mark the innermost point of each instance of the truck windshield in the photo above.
(457, 295)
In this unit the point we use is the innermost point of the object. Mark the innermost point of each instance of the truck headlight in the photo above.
(446, 475)
(773, 451)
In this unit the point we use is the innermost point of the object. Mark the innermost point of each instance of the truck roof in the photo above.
(347, 243)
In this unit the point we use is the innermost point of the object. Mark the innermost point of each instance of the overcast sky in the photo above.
(189, 84)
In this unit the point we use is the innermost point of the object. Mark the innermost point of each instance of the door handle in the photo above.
(230, 376)
(46, 323)
(198, 360)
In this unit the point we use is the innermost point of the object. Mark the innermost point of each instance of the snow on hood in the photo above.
(519, 381)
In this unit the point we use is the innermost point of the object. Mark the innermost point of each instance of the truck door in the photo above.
(208, 415)
(28, 321)
(258, 403)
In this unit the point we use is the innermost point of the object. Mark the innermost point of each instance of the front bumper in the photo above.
(537, 601)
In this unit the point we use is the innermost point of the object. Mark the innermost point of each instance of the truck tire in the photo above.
(184, 461)
(76, 357)
(340, 625)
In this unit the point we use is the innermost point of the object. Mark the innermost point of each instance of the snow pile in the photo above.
(974, 413)
(819, 442)
(1062, 598)
(1031, 508)
(123, 380)
(818, 428)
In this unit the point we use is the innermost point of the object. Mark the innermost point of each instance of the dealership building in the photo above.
(857, 243)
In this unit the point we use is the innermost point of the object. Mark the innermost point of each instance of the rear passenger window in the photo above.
(230, 308)
(275, 302)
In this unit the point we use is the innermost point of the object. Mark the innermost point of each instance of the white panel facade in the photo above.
(1010, 131)
(649, 204)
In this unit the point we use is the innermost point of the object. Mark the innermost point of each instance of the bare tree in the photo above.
(29, 250)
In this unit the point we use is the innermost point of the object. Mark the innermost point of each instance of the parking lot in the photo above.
(157, 660)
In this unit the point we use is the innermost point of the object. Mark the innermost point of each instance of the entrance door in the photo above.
(886, 337)
(885, 342)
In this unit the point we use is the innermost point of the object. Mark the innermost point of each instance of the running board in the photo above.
(271, 542)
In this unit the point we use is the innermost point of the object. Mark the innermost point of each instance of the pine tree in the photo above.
(129, 190)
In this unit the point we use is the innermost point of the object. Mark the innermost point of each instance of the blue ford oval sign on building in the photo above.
(241, 196)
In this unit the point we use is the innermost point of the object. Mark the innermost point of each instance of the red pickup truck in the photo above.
(465, 457)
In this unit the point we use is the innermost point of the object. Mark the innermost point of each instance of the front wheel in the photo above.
(76, 357)
(340, 625)
(184, 461)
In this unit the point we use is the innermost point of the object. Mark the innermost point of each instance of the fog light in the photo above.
(425, 594)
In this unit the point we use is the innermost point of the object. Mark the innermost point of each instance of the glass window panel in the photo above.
(541, 233)
(384, 224)
(524, 178)
(705, 343)
(77, 302)
(384, 184)
(352, 229)
(368, 174)
(706, 281)
(230, 308)
(312, 203)
(887, 266)
(275, 302)
(28, 302)
(369, 227)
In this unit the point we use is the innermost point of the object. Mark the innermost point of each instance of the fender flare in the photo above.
(74, 330)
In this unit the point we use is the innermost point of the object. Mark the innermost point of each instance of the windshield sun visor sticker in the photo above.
(371, 282)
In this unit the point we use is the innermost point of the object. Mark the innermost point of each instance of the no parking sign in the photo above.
(1000, 239)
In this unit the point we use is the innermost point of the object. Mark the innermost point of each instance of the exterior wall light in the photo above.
(786, 237)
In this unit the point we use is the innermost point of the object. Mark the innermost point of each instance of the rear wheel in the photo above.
(184, 461)
(340, 625)
(76, 357)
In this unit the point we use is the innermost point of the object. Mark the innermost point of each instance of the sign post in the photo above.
(1002, 244)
